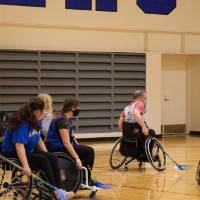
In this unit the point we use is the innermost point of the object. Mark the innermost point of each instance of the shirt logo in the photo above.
(34, 132)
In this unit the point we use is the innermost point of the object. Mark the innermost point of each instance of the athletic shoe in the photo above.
(59, 194)
(68, 195)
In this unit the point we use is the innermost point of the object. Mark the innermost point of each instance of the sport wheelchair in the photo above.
(133, 145)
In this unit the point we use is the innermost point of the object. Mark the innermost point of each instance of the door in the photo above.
(173, 94)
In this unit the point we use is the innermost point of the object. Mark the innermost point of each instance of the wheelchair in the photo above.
(14, 185)
(133, 145)
(198, 173)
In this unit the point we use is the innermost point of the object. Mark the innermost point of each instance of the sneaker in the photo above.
(59, 194)
(68, 195)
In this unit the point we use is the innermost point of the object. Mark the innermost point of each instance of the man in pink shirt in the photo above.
(135, 111)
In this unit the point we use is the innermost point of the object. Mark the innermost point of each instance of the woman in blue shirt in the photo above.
(22, 139)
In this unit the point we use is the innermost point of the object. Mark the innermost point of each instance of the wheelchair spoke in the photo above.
(116, 158)
(14, 185)
(155, 154)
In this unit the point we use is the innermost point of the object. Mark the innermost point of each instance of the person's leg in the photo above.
(86, 154)
(40, 161)
(54, 167)
(56, 172)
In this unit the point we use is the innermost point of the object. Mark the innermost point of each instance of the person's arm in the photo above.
(41, 146)
(22, 157)
(64, 134)
(138, 118)
(120, 122)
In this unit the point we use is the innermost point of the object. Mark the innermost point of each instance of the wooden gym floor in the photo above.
(147, 183)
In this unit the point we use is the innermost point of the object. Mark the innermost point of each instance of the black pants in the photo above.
(85, 153)
(44, 161)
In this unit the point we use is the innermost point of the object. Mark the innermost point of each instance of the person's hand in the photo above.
(26, 170)
(79, 163)
(145, 130)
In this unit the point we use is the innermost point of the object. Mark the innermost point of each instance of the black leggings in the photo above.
(44, 161)
(85, 153)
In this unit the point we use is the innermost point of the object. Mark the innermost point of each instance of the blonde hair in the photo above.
(138, 93)
(47, 101)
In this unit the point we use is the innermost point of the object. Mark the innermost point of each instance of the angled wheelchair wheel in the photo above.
(13, 184)
(39, 189)
(116, 158)
(198, 173)
(71, 176)
(155, 154)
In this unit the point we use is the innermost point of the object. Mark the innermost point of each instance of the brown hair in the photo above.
(25, 114)
(68, 104)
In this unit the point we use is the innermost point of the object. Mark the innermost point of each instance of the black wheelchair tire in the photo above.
(149, 156)
(198, 173)
(78, 172)
(123, 158)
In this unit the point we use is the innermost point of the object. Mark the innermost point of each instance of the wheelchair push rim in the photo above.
(71, 176)
(155, 154)
(116, 158)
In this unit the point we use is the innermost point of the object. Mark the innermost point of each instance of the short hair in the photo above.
(69, 103)
(138, 93)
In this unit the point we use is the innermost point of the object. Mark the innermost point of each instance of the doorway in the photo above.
(174, 89)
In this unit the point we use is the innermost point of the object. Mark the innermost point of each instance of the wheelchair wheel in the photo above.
(13, 184)
(71, 176)
(116, 158)
(198, 173)
(40, 190)
(155, 154)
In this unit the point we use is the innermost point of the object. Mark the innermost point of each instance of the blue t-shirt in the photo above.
(23, 134)
(53, 137)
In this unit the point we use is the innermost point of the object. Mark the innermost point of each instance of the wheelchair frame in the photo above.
(35, 187)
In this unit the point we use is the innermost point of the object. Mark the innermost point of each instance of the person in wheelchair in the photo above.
(134, 115)
(60, 136)
(48, 113)
(22, 140)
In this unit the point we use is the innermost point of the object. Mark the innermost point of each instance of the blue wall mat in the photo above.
(106, 5)
(78, 4)
(163, 7)
(35, 3)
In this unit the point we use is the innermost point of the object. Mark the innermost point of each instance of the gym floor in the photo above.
(147, 183)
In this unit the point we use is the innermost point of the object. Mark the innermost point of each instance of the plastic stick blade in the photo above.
(103, 185)
(183, 167)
